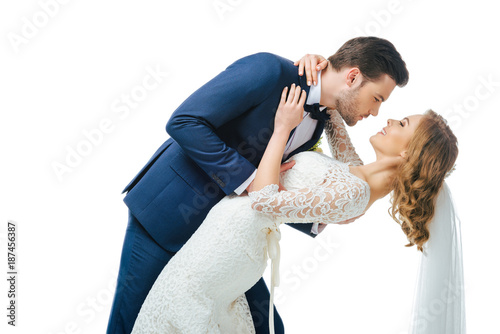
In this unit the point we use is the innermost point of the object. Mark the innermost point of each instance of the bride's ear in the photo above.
(404, 155)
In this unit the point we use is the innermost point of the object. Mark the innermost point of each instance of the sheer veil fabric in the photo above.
(439, 301)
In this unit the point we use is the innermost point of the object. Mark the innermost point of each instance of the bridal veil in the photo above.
(439, 306)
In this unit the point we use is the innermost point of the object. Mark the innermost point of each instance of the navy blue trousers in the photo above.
(141, 262)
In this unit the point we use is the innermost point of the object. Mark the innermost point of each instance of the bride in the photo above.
(201, 290)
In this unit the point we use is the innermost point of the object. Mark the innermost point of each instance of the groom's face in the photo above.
(356, 101)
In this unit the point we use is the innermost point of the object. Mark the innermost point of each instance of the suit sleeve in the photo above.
(235, 91)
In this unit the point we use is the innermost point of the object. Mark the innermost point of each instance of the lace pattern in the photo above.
(339, 140)
(339, 197)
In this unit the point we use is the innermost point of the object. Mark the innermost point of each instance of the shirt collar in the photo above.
(315, 92)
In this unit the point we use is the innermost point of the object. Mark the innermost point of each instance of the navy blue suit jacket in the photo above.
(218, 136)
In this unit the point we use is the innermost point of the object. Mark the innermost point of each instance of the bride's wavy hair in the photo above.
(431, 155)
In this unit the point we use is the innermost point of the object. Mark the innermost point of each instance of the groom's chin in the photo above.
(351, 122)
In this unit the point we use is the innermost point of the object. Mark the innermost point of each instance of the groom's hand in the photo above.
(284, 167)
(250, 187)
(312, 64)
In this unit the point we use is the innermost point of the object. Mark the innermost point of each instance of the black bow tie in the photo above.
(315, 113)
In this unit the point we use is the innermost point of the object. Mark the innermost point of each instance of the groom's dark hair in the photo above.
(373, 56)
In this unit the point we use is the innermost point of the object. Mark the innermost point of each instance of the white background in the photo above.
(70, 72)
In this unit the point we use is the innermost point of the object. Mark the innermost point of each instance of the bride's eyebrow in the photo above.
(407, 120)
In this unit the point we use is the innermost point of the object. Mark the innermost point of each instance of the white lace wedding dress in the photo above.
(201, 290)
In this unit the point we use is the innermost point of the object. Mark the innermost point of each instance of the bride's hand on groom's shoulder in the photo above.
(311, 64)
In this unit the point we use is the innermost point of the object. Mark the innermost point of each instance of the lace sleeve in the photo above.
(335, 200)
(339, 141)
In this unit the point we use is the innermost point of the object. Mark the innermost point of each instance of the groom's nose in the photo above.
(374, 112)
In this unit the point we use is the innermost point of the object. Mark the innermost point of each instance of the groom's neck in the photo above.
(331, 83)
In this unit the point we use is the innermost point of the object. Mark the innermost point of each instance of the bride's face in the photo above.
(393, 139)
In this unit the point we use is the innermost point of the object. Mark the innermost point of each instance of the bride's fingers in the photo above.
(283, 95)
(302, 100)
(291, 94)
(296, 96)
(300, 64)
(322, 65)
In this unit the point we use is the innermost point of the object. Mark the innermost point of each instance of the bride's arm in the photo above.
(336, 200)
(338, 139)
(288, 116)
(332, 201)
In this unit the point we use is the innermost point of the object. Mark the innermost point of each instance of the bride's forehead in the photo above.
(415, 118)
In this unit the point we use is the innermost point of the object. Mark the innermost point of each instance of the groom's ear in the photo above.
(353, 76)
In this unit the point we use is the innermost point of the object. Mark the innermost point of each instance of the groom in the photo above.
(218, 136)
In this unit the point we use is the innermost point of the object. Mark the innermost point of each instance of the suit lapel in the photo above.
(304, 86)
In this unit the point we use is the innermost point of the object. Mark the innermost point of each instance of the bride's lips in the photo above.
(383, 132)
